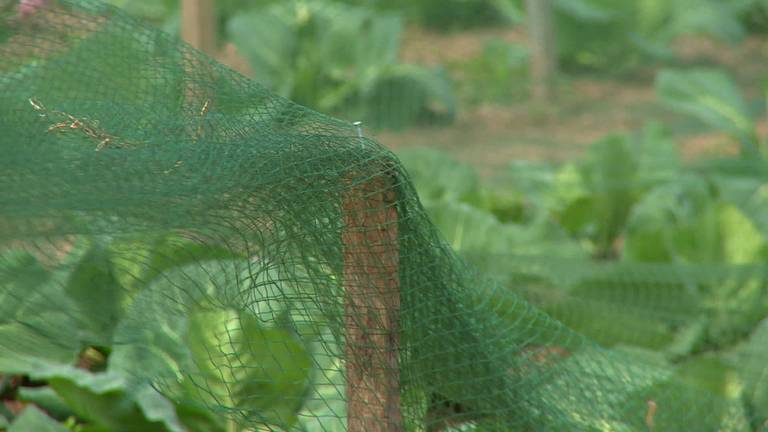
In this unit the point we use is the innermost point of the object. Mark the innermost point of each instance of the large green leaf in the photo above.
(610, 324)
(340, 59)
(608, 34)
(684, 221)
(36, 318)
(676, 221)
(199, 419)
(720, 19)
(404, 94)
(438, 176)
(505, 203)
(34, 420)
(706, 383)
(471, 230)
(606, 186)
(607, 375)
(93, 287)
(754, 372)
(261, 370)
(603, 34)
(535, 180)
(136, 262)
(657, 155)
(213, 347)
(646, 302)
(736, 303)
(743, 243)
(584, 10)
(269, 42)
(47, 399)
(713, 98)
(325, 408)
(108, 401)
(499, 74)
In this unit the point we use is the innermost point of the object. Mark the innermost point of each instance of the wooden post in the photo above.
(198, 28)
(372, 308)
(541, 35)
(198, 24)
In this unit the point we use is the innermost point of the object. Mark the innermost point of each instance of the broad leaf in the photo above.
(437, 176)
(325, 408)
(713, 98)
(36, 318)
(94, 289)
(720, 19)
(263, 371)
(604, 186)
(47, 399)
(743, 243)
(471, 230)
(584, 10)
(683, 221)
(136, 262)
(404, 94)
(212, 346)
(755, 371)
(340, 58)
(535, 180)
(269, 42)
(676, 221)
(34, 420)
(107, 400)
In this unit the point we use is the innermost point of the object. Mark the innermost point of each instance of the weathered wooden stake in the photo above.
(198, 28)
(198, 24)
(372, 308)
(541, 34)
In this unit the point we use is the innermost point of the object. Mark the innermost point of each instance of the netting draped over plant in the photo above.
(244, 263)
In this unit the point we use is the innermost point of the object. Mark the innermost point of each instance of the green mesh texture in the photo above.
(252, 260)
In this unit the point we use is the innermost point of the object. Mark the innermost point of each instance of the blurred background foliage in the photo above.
(454, 76)
(388, 62)
(651, 154)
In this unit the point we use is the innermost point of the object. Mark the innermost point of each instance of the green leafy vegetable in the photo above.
(93, 287)
(34, 420)
(712, 97)
(340, 59)
(47, 399)
(192, 353)
(106, 399)
(36, 322)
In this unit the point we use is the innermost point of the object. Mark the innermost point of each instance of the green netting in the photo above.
(246, 262)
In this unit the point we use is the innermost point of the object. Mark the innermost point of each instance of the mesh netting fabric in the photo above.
(257, 261)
